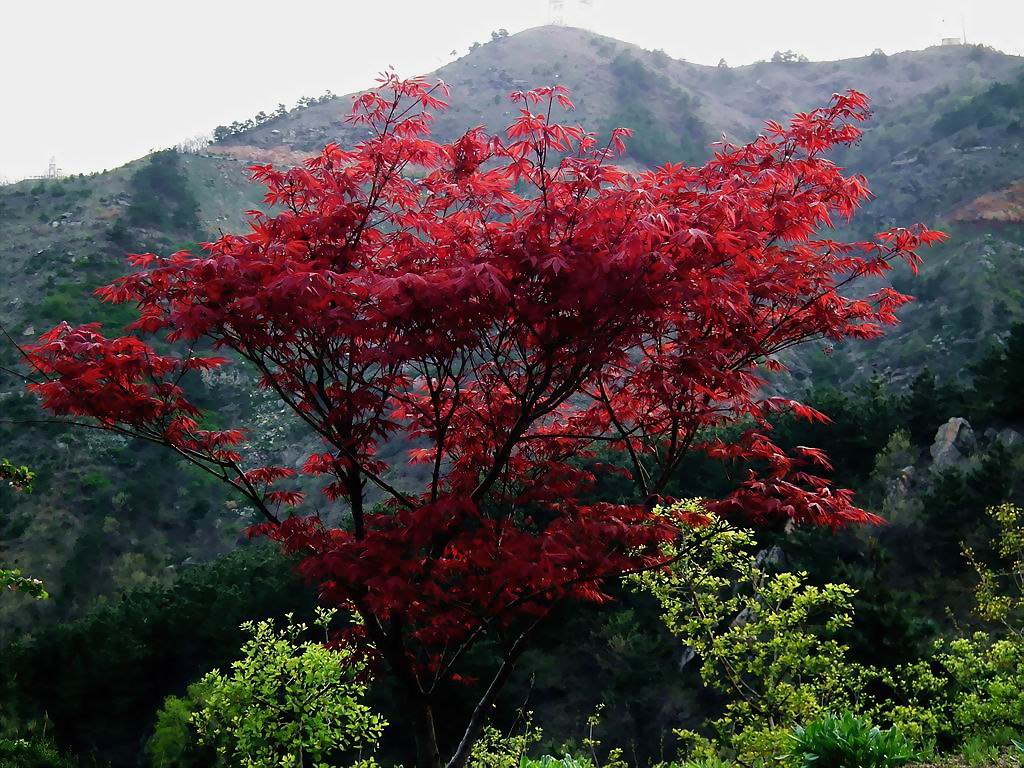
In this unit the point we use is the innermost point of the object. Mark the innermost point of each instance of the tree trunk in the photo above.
(427, 753)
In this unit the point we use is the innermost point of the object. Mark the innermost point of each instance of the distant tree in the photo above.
(788, 57)
(660, 58)
(499, 34)
(100, 677)
(927, 405)
(513, 307)
(161, 195)
(999, 378)
(723, 64)
(193, 145)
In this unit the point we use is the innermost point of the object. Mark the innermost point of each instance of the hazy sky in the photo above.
(99, 82)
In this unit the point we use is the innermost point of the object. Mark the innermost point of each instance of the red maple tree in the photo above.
(508, 303)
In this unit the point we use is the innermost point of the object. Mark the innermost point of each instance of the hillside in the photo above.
(676, 106)
(945, 147)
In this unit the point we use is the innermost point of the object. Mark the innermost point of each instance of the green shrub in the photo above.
(161, 196)
(973, 686)
(100, 678)
(765, 639)
(288, 702)
(849, 742)
(548, 761)
(979, 751)
(34, 753)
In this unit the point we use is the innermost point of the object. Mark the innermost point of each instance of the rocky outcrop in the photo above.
(1007, 438)
(954, 441)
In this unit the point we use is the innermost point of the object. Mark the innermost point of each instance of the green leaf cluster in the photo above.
(765, 639)
(288, 702)
(848, 741)
(974, 685)
(32, 753)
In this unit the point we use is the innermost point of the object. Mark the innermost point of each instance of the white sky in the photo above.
(100, 82)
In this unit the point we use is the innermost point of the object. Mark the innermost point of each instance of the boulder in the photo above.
(953, 441)
(903, 482)
(1010, 438)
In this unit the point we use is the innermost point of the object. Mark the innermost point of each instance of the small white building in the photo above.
(952, 41)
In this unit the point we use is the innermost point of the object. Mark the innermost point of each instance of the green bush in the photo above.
(766, 640)
(100, 678)
(34, 753)
(849, 742)
(711, 762)
(288, 702)
(161, 196)
(547, 761)
(973, 686)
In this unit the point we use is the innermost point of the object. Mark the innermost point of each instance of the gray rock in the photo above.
(686, 657)
(772, 557)
(901, 485)
(953, 441)
(1010, 438)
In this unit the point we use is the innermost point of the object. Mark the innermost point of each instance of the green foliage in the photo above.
(1000, 593)
(994, 105)
(708, 762)
(547, 761)
(161, 198)
(849, 742)
(222, 132)
(862, 423)
(974, 685)
(19, 478)
(653, 142)
(74, 301)
(765, 639)
(497, 750)
(174, 743)
(999, 378)
(32, 753)
(100, 678)
(979, 751)
(286, 702)
(14, 580)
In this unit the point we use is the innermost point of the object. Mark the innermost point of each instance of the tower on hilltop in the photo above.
(572, 13)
